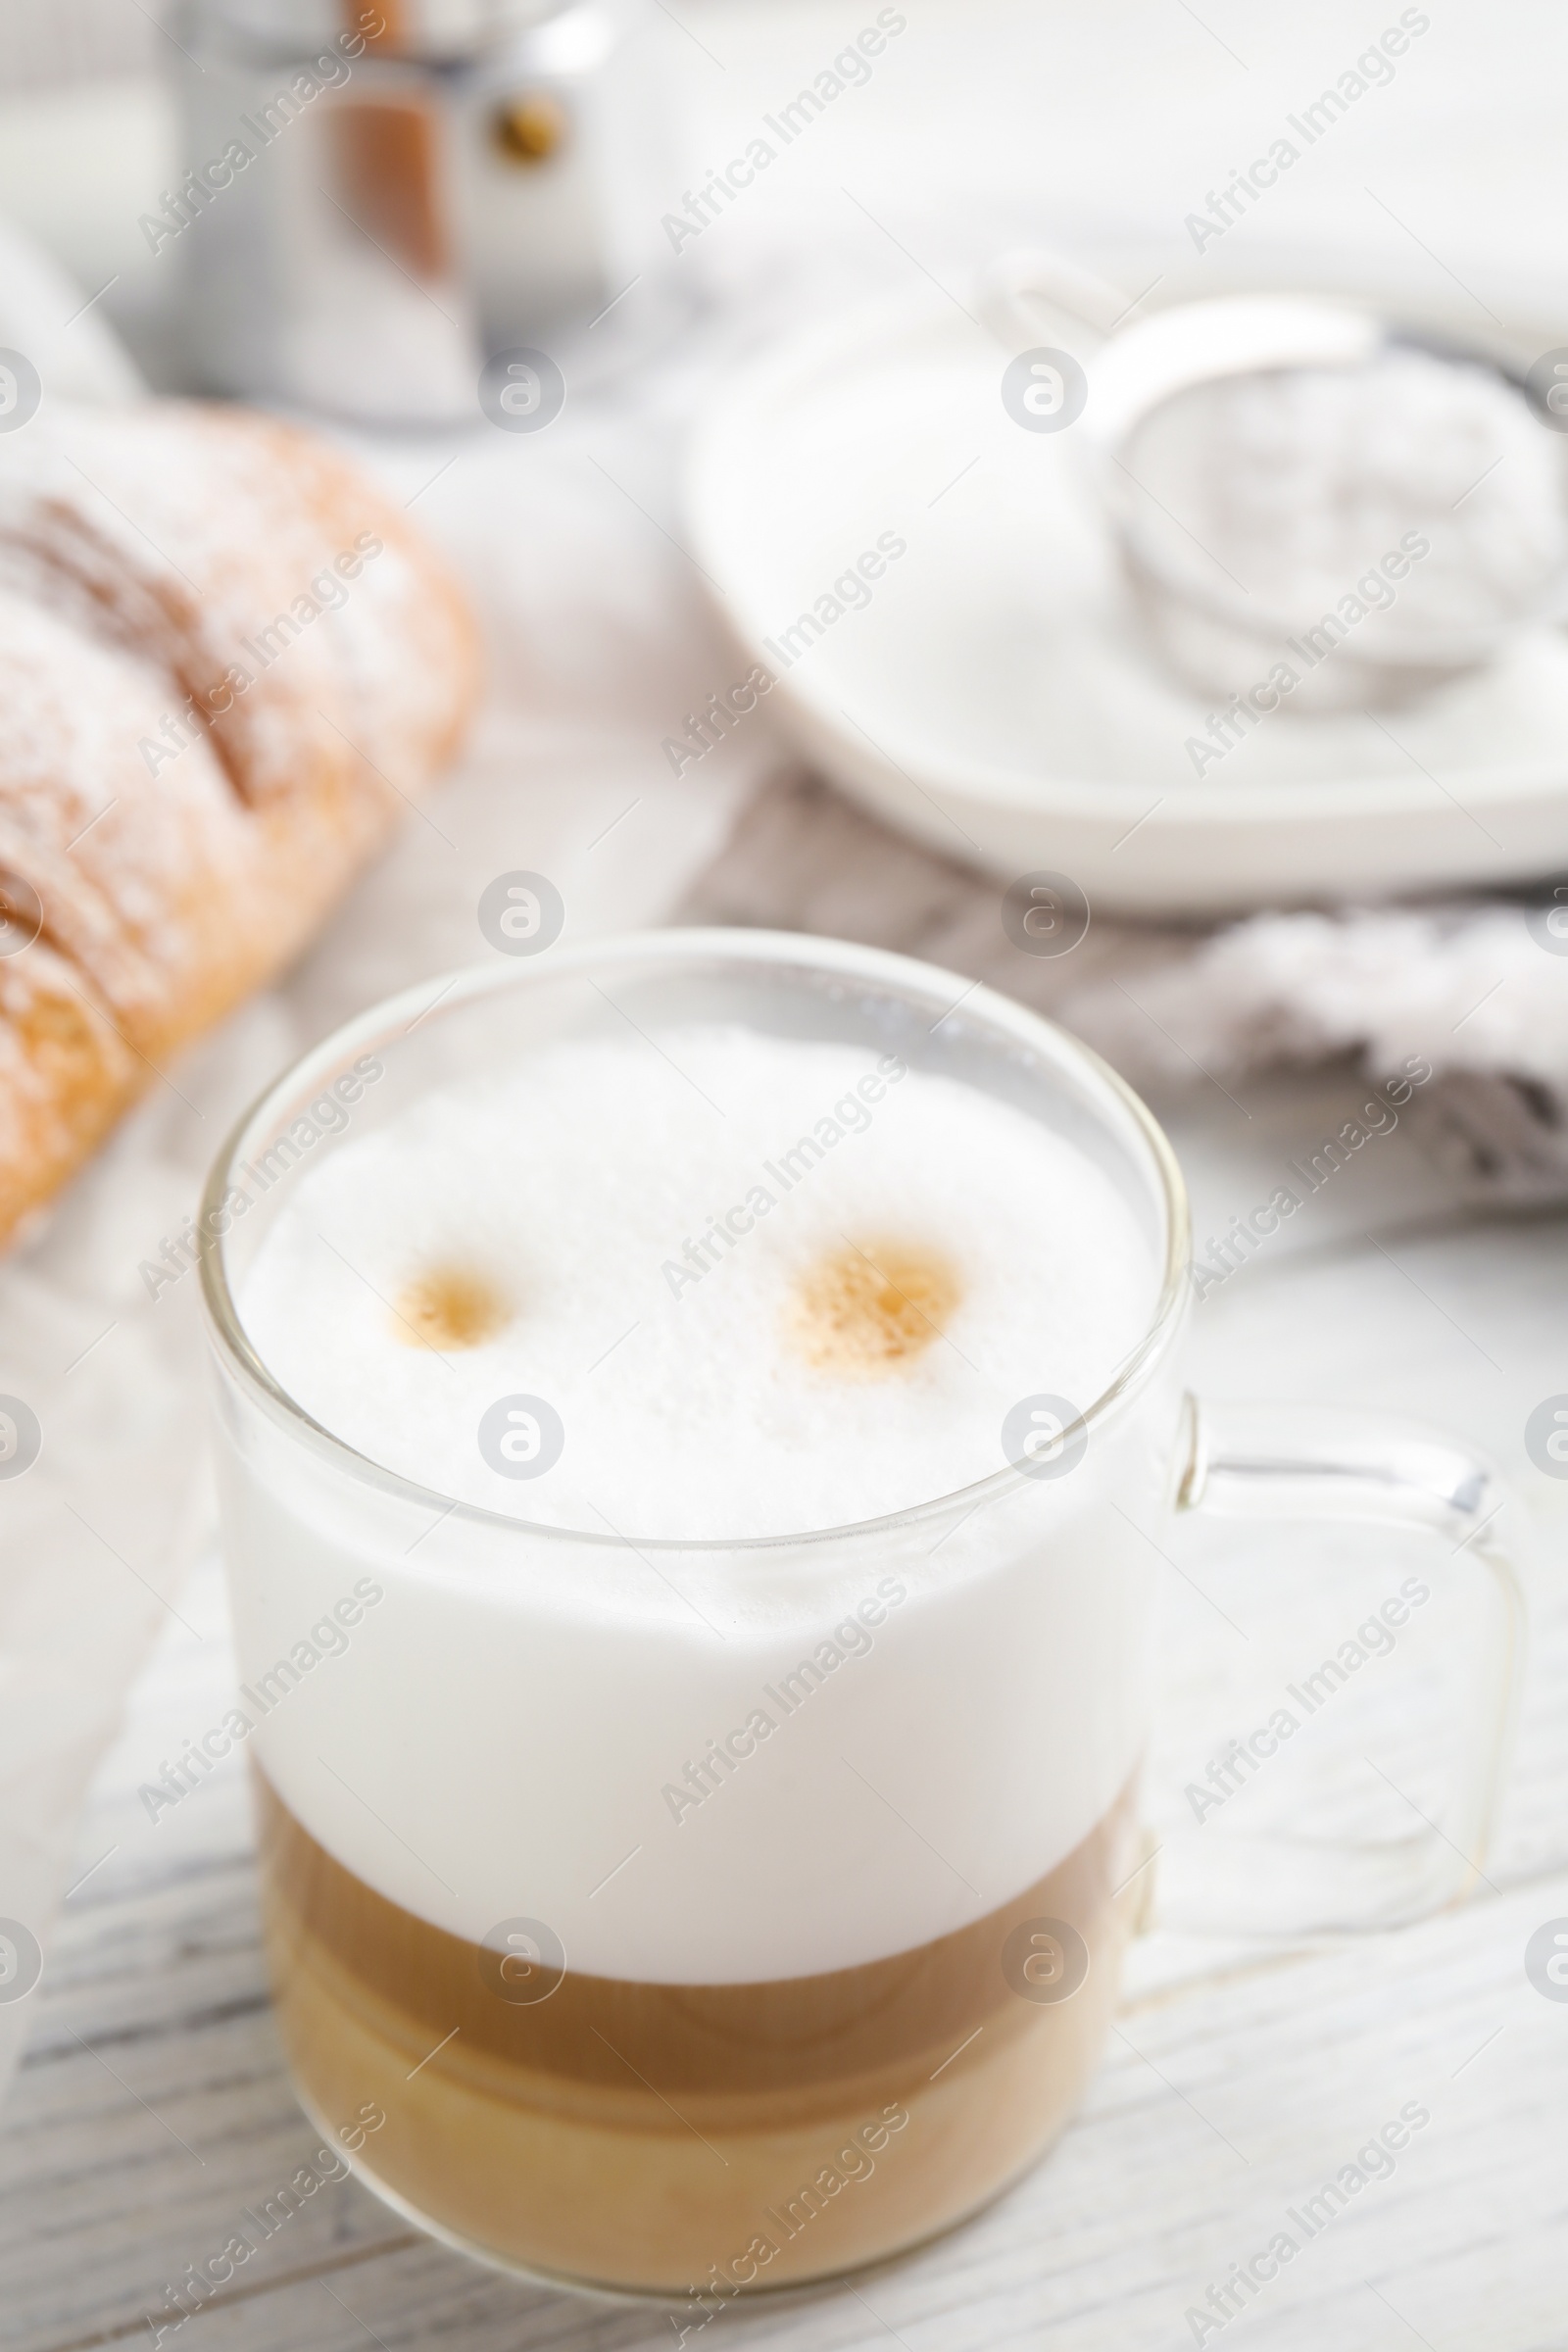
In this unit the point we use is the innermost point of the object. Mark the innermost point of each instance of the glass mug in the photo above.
(654, 1999)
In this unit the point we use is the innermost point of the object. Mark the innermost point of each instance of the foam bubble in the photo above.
(768, 1285)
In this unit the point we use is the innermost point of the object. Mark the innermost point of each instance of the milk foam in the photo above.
(701, 1767)
(659, 1227)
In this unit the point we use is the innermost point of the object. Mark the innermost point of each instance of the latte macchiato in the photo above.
(713, 1851)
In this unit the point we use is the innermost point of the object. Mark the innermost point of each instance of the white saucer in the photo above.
(989, 697)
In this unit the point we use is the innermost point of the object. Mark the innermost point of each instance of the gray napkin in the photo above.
(1478, 991)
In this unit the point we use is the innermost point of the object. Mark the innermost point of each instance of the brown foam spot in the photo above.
(449, 1306)
(862, 1312)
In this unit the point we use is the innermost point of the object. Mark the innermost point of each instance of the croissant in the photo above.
(228, 663)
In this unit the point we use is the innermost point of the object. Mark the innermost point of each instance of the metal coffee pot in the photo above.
(379, 195)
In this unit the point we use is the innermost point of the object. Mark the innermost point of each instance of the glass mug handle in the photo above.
(1297, 1463)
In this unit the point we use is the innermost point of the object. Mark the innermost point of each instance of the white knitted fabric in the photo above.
(1472, 988)
(1480, 989)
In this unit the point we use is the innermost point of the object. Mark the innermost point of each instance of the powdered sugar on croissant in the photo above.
(226, 663)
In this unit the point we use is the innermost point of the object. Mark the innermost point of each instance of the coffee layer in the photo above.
(667, 2137)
